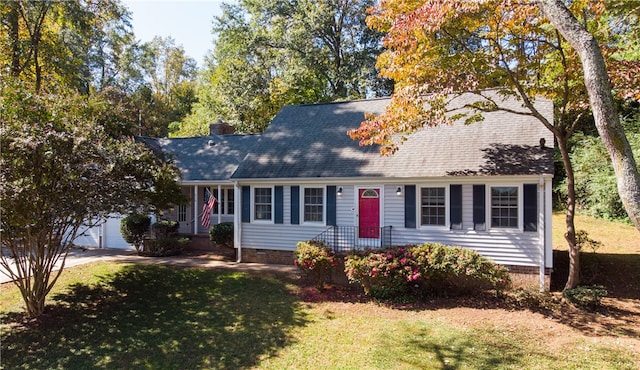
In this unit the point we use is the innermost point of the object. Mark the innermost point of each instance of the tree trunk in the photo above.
(14, 37)
(602, 105)
(570, 235)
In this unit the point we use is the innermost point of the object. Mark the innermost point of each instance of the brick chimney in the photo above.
(221, 128)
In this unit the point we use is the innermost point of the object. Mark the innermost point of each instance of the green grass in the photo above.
(616, 237)
(113, 316)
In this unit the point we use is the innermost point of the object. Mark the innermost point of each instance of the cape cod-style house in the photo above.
(484, 186)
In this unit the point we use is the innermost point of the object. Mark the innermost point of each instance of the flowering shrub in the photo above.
(424, 269)
(316, 260)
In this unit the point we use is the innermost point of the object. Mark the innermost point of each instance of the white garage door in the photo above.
(110, 232)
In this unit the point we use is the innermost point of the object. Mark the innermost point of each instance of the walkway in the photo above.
(79, 256)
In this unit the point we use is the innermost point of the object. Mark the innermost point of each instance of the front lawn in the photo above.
(158, 317)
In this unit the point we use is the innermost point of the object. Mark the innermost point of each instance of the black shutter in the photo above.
(530, 207)
(410, 206)
(295, 205)
(455, 203)
(278, 198)
(479, 222)
(246, 204)
(331, 206)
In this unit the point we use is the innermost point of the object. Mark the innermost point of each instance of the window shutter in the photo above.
(295, 205)
(246, 204)
(278, 198)
(331, 206)
(410, 206)
(479, 222)
(455, 204)
(530, 195)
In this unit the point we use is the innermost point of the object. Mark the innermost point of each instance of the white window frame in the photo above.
(225, 198)
(303, 205)
(447, 206)
(489, 221)
(253, 205)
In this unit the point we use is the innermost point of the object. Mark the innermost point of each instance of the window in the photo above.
(182, 213)
(262, 203)
(313, 204)
(225, 200)
(230, 203)
(432, 206)
(504, 207)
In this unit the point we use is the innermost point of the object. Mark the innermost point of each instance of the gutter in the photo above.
(237, 224)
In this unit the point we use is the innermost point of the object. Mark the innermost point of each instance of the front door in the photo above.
(369, 213)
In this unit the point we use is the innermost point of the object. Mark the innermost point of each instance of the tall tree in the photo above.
(51, 44)
(61, 169)
(271, 53)
(168, 90)
(602, 104)
(439, 48)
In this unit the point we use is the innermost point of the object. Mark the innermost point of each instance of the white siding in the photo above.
(510, 247)
(346, 207)
(286, 207)
(467, 207)
(277, 236)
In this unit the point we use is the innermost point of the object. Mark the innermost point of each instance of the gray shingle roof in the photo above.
(311, 141)
(198, 160)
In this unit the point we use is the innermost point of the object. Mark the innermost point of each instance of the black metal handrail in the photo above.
(344, 239)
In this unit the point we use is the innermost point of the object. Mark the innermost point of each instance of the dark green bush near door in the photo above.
(222, 234)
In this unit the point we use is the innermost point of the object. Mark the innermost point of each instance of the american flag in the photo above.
(207, 208)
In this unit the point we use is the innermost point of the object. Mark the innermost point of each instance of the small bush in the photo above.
(583, 241)
(316, 260)
(166, 228)
(163, 247)
(134, 227)
(222, 234)
(533, 299)
(587, 297)
(424, 270)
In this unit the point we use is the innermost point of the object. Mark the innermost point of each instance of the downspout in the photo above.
(220, 196)
(195, 210)
(237, 224)
(541, 231)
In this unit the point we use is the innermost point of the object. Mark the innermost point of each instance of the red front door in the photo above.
(369, 213)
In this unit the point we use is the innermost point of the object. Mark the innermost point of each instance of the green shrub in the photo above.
(587, 297)
(134, 227)
(222, 234)
(423, 270)
(166, 228)
(583, 241)
(533, 299)
(164, 246)
(316, 260)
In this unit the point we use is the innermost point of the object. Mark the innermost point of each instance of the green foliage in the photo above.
(163, 246)
(315, 259)
(61, 170)
(533, 299)
(222, 234)
(272, 53)
(583, 241)
(587, 297)
(424, 269)
(134, 227)
(595, 181)
(166, 228)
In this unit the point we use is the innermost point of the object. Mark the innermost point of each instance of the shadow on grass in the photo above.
(619, 273)
(157, 317)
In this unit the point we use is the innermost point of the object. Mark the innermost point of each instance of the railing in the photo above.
(344, 239)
